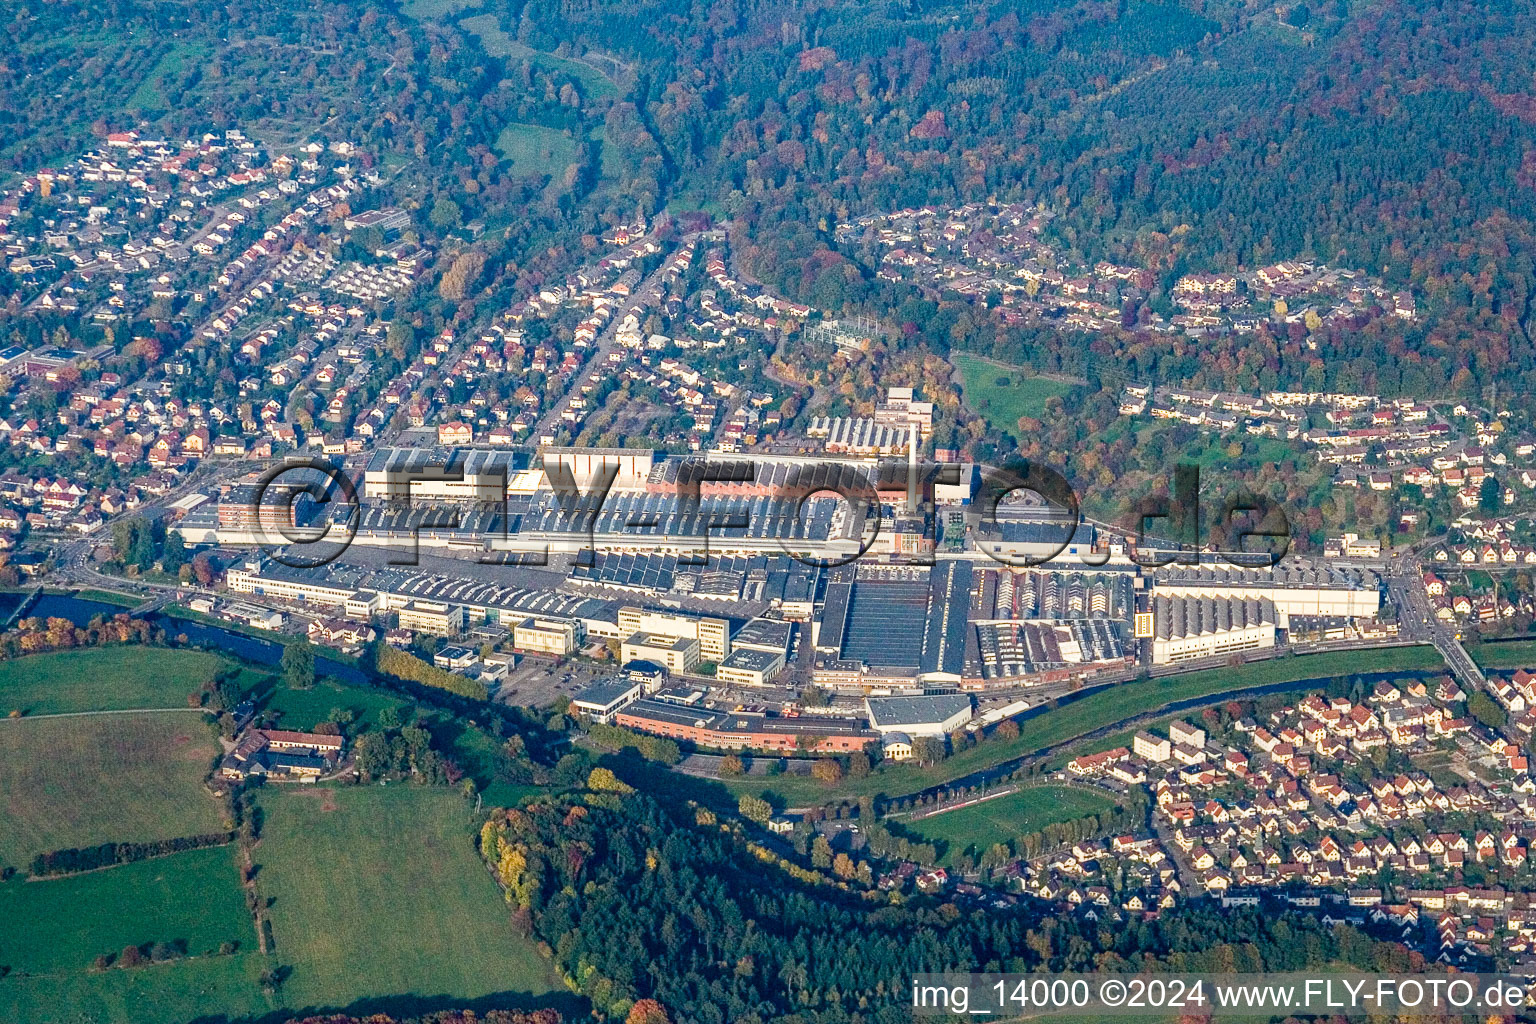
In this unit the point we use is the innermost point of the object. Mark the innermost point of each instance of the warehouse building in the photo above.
(1186, 628)
(927, 715)
(1029, 534)
(363, 592)
(333, 585)
(1295, 587)
(895, 621)
(776, 579)
(442, 473)
(763, 635)
(630, 467)
(669, 523)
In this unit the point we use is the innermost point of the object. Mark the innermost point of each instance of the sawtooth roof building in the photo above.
(1187, 628)
(1295, 586)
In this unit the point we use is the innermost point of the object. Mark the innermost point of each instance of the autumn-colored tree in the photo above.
(827, 770)
(647, 1011)
(821, 853)
(603, 780)
(458, 278)
(755, 808)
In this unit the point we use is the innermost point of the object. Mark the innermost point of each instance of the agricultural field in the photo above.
(103, 679)
(1001, 404)
(80, 781)
(379, 892)
(197, 988)
(61, 925)
(1005, 818)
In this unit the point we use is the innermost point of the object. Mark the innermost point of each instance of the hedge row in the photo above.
(75, 860)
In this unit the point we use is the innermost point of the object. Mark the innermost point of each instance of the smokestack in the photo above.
(911, 467)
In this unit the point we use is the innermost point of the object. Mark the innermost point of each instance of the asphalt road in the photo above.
(605, 344)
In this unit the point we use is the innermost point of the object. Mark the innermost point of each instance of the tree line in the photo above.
(74, 860)
(391, 661)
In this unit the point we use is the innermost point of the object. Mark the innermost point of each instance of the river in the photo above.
(251, 649)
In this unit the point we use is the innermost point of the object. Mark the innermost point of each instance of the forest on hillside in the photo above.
(1394, 137)
(637, 902)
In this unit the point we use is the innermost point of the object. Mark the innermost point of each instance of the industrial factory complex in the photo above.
(701, 574)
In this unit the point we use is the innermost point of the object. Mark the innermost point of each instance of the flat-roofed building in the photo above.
(674, 653)
(1019, 535)
(363, 605)
(745, 730)
(896, 621)
(558, 637)
(454, 657)
(602, 700)
(252, 615)
(630, 467)
(269, 512)
(387, 219)
(713, 635)
(337, 584)
(434, 617)
(273, 579)
(798, 599)
(748, 666)
(929, 715)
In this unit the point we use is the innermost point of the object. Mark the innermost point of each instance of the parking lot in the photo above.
(536, 682)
